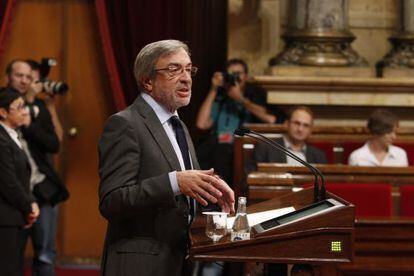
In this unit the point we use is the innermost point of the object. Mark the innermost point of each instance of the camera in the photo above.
(51, 87)
(230, 79)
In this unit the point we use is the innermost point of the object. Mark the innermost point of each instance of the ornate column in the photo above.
(401, 55)
(318, 35)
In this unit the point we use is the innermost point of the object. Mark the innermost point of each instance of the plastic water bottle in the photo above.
(241, 228)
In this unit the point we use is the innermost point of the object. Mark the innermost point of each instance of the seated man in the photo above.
(298, 129)
(378, 150)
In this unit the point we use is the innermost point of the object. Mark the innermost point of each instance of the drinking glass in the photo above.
(216, 226)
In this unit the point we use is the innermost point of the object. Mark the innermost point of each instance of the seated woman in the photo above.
(378, 150)
(17, 207)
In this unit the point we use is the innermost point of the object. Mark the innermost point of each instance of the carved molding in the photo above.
(340, 91)
(318, 48)
(401, 54)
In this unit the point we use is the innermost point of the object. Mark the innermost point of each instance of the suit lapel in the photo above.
(157, 131)
(18, 153)
(309, 156)
(7, 137)
(283, 157)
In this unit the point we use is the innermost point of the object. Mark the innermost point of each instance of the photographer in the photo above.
(39, 140)
(231, 102)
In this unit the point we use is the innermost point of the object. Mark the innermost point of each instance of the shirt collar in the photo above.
(288, 145)
(391, 150)
(163, 114)
(9, 130)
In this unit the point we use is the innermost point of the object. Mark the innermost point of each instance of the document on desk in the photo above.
(259, 217)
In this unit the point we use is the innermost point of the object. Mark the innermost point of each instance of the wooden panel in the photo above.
(36, 33)
(337, 169)
(87, 109)
(274, 178)
(324, 129)
(67, 31)
(383, 245)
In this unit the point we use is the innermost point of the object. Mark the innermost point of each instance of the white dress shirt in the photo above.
(164, 117)
(301, 153)
(395, 157)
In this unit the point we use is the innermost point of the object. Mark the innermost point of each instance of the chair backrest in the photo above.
(407, 200)
(370, 199)
(409, 148)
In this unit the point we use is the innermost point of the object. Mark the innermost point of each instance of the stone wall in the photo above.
(256, 26)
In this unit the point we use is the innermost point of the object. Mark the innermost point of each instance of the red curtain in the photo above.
(109, 55)
(126, 26)
(7, 8)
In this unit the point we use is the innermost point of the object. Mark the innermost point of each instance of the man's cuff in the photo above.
(174, 183)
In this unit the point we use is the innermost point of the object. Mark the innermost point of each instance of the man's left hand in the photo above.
(226, 201)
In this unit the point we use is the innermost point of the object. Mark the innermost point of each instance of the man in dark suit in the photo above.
(17, 207)
(149, 172)
(39, 141)
(298, 129)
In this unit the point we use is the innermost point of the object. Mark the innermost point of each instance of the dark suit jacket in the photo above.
(147, 225)
(43, 141)
(15, 199)
(263, 153)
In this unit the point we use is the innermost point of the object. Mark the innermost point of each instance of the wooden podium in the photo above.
(325, 238)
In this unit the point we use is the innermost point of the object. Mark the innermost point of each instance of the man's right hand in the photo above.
(33, 215)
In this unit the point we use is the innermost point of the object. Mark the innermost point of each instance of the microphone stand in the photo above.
(317, 196)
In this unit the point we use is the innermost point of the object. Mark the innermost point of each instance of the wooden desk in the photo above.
(382, 245)
(326, 129)
(307, 240)
(338, 143)
(274, 180)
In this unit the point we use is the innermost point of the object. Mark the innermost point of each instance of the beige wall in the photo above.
(254, 32)
(256, 26)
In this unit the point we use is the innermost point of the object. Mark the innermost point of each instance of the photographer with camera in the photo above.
(40, 139)
(231, 102)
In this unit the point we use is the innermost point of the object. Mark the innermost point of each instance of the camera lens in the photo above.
(55, 87)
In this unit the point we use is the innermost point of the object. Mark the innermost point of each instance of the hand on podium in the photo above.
(204, 185)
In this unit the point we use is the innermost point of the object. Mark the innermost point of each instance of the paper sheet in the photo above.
(256, 218)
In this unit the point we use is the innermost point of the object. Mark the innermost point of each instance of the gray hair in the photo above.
(145, 61)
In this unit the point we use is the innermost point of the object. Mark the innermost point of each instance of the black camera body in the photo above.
(230, 79)
(51, 87)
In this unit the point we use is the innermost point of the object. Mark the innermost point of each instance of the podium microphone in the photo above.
(318, 195)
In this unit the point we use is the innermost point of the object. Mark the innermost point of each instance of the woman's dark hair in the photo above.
(381, 122)
(7, 96)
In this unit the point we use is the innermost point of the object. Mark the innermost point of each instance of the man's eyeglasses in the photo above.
(19, 107)
(175, 70)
